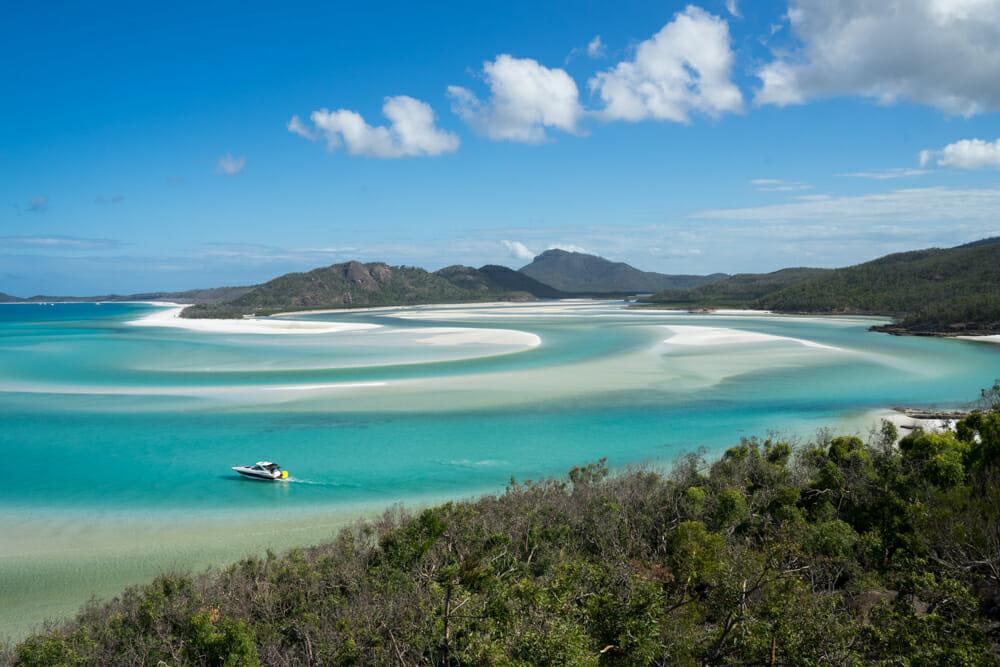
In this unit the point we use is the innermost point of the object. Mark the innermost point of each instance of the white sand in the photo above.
(462, 336)
(189, 391)
(732, 311)
(170, 317)
(982, 339)
(317, 387)
(905, 424)
(576, 307)
(685, 335)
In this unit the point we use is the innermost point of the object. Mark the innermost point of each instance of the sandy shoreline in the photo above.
(993, 338)
(906, 424)
(170, 317)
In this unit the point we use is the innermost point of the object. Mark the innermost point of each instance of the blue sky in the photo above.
(148, 147)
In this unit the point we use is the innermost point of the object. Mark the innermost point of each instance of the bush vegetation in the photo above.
(840, 552)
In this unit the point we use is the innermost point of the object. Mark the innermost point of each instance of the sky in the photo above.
(169, 146)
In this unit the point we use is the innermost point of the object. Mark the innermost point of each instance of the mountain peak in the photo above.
(579, 272)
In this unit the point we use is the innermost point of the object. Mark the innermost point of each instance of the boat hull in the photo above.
(264, 477)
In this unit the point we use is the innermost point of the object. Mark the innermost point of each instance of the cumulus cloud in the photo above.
(683, 69)
(230, 165)
(965, 154)
(595, 47)
(943, 53)
(526, 98)
(411, 131)
(778, 185)
(518, 250)
(296, 126)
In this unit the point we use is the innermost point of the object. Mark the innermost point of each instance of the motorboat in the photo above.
(265, 470)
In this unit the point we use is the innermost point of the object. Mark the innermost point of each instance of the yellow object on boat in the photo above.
(284, 474)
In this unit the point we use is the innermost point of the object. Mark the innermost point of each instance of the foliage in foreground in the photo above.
(842, 552)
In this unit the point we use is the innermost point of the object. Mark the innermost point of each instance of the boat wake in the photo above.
(315, 482)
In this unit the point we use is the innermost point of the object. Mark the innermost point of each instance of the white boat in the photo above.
(265, 470)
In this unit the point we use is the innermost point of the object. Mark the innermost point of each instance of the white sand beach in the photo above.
(170, 317)
(905, 424)
(686, 335)
(982, 339)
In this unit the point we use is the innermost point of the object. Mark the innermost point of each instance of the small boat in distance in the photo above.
(265, 470)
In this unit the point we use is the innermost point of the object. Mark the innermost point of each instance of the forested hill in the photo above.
(843, 552)
(353, 284)
(739, 290)
(951, 290)
(494, 279)
(582, 273)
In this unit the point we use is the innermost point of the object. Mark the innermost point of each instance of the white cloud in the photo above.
(682, 69)
(526, 98)
(943, 53)
(733, 8)
(518, 250)
(230, 165)
(673, 252)
(411, 132)
(965, 154)
(778, 185)
(58, 242)
(568, 247)
(887, 174)
(595, 47)
(296, 126)
(912, 205)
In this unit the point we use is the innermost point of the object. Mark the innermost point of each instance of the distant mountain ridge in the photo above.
(931, 291)
(201, 295)
(739, 290)
(578, 272)
(355, 284)
(496, 279)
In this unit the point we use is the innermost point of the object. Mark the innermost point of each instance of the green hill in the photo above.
(7, 298)
(581, 273)
(933, 291)
(954, 289)
(508, 279)
(742, 289)
(353, 284)
(498, 281)
(843, 552)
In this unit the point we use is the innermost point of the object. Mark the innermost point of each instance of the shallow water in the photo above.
(122, 436)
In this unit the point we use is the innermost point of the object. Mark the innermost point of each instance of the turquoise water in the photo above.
(109, 425)
(131, 450)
